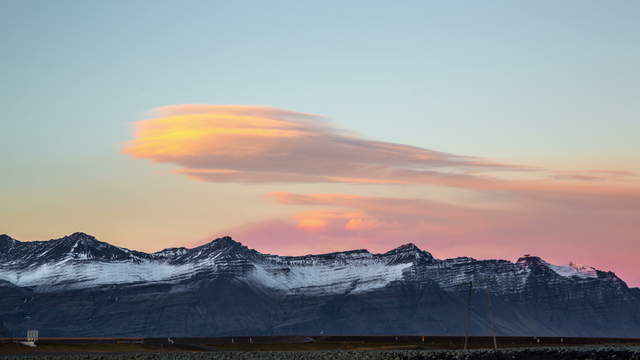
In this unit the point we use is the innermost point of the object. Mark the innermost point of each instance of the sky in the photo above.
(484, 129)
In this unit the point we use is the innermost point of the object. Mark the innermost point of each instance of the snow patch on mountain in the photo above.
(326, 279)
(574, 270)
(69, 274)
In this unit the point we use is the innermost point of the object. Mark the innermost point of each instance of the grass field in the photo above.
(619, 352)
(299, 344)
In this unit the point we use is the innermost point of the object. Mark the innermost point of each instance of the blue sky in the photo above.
(469, 77)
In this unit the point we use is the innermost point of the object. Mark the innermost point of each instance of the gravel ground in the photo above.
(582, 353)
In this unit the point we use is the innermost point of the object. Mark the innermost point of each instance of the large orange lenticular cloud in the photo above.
(258, 144)
(590, 216)
(255, 144)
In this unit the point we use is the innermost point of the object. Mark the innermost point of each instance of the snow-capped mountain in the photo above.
(223, 288)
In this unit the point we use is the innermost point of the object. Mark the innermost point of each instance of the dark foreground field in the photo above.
(575, 353)
(326, 347)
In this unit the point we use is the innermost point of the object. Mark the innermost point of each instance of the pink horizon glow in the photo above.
(447, 230)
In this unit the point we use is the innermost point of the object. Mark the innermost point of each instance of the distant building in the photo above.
(32, 335)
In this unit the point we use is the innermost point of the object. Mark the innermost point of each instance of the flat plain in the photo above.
(325, 347)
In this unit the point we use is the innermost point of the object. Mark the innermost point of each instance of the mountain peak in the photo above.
(223, 247)
(530, 259)
(222, 242)
(78, 235)
(82, 246)
(408, 253)
(227, 240)
(407, 247)
(80, 240)
(7, 243)
(6, 238)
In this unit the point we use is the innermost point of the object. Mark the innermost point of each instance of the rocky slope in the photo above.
(79, 286)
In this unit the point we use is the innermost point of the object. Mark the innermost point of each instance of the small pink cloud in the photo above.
(593, 175)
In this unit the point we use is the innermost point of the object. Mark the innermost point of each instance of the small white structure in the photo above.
(32, 337)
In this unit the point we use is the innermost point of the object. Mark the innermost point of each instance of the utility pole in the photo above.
(492, 319)
(467, 317)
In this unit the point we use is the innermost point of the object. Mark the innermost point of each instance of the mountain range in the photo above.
(79, 286)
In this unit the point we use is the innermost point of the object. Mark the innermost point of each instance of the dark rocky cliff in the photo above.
(78, 286)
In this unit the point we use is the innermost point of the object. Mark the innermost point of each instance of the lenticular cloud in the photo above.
(233, 143)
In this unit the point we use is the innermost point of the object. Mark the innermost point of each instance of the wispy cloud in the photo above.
(594, 175)
(257, 144)
(254, 144)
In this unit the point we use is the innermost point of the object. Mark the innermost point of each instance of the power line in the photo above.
(491, 318)
(489, 313)
(467, 316)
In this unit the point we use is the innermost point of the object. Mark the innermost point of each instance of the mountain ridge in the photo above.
(217, 243)
(225, 288)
